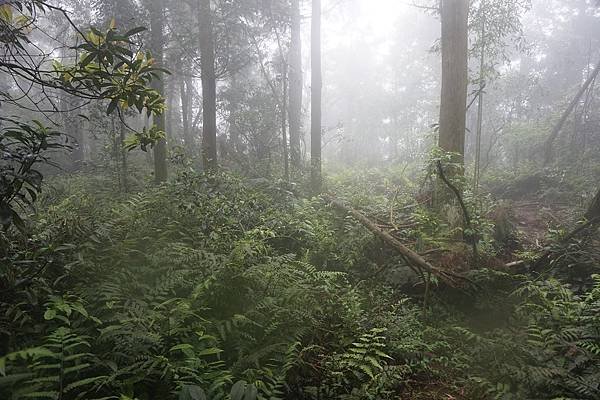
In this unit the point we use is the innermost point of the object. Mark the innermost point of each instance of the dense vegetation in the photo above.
(165, 236)
(215, 283)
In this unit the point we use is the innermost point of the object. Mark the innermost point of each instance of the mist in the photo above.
(299, 199)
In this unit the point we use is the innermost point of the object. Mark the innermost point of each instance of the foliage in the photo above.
(22, 147)
(107, 67)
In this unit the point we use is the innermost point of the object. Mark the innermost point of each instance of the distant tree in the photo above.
(493, 25)
(549, 145)
(209, 86)
(452, 125)
(296, 86)
(157, 45)
(316, 93)
(124, 13)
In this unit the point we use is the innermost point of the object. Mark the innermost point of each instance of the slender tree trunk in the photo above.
(316, 92)
(454, 77)
(157, 46)
(169, 98)
(549, 151)
(295, 92)
(286, 157)
(124, 164)
(185, 116)
(234, 136)
(480, 104)
(74, 132)
(209, 86)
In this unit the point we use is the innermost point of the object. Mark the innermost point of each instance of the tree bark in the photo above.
(124, 163)
(316, 92)
(157, 43)
(549, 150)
(209, 86)
(295, 92)
(73, 128)
(480, 103)
(286, 157)
(184, 90)
(454, 77)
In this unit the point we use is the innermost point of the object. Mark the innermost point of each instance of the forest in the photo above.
(300, 199)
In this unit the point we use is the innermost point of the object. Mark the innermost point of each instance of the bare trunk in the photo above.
(209, 86)
(454, 77)
(286, 157)
(480, 106)
(316, 91)
(124, 165)
(157, 46)
(295, 92)
(185, 116)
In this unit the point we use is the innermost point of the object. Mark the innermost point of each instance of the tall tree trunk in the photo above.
(286, 157)
(170, 99)
(295, 92)
(209, 86)
(73, 130)
(316, 91)
(124, 165)
(549, 150)
(454, 77)
(157, 45)
(480, 103)
(184, 90)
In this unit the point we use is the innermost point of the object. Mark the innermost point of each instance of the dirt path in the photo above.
(533, 219)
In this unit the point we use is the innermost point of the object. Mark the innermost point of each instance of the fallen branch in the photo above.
(409, 255)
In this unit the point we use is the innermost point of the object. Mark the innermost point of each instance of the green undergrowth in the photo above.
(222, 288)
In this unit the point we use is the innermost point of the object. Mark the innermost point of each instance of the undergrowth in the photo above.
(219, 288)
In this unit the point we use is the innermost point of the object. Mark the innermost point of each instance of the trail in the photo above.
(532, 220)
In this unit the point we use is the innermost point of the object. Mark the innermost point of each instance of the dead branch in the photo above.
(409, 255)
(549, 145)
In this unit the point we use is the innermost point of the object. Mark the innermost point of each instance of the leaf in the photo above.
(191, 392)
(210, 351)
(183, 346)
(112, 106)
(50, 314)
(135, 31)
(237, 391)
(6, 13)
(251, 393)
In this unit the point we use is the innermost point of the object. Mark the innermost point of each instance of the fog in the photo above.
(299, 199)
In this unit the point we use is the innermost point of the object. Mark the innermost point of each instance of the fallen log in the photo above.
(411, 256)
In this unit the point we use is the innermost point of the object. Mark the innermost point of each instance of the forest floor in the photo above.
(533, 218)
